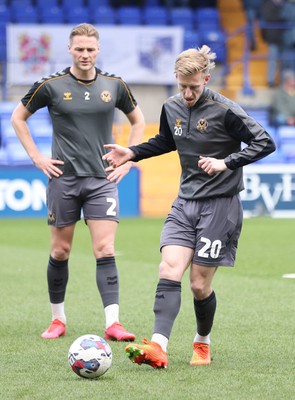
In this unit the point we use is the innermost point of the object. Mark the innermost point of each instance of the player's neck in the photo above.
(83, 75)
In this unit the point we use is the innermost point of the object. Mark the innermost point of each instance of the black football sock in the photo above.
(166, 306)
(57, 279)
(107, 280)
(205, 311)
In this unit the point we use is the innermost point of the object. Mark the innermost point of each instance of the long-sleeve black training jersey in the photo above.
(82, 114)
(214, 127)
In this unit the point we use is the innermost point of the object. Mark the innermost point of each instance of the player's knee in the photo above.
(61, 252)
(169, 271)
(106, 250)
(199, 289)
(164, 267)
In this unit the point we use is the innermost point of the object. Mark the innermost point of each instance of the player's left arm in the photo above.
(137, 126)
(245, 129)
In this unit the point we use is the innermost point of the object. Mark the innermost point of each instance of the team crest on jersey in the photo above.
(106, 96)
(68, 96)
(51, 218)
(202, 125)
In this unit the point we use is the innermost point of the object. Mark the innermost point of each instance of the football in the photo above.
(90, 356)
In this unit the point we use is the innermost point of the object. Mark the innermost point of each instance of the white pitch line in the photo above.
(289, 276)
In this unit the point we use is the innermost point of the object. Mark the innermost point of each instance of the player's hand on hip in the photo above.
(211, 165)
(118, 155)
(49, 166)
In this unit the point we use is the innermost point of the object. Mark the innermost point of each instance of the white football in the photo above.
(90, 356)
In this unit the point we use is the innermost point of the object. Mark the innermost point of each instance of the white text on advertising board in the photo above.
(20, 194)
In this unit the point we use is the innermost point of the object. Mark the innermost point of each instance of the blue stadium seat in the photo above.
(153, 3)
(26, 14)
(129, 15)
(103, 15)
(3, 52)
(261, 115)
(191, 39)
(216, 40)
(16, 154)
(15, 4)
(5, 14)
(52, 15)
(182, 16)
(44, 147)
(287, 148)
(207, 15)
(3, 157)
(3, 42)
(49, 3)
(93, 4)
(40, 128)
(286, 142)
(76, 14)
(286, 132)
(6, 129)
(277, 157)
(6, 109)
(71, 3)
(155, 16)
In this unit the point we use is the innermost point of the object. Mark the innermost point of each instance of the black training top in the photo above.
(214, 127)
(82, 114)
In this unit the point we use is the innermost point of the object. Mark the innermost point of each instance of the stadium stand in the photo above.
(207, 16)
(5, 14)
(155, 15)
(11, 151)
(49, 3)
(129, 15)
(191, 39)
(72, 3)
(103, 15)
(27, 14)
(75, 14)
(92, 4)
(204, 23)
(183, 16)
(52, 15)
(216, 40)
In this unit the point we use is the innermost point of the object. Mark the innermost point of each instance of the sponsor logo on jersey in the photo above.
(202, 125)
(68, 96)
(106, 96)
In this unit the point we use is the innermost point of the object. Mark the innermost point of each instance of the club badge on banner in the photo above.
(141, 55)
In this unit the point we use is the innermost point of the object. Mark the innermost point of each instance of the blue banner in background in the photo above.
(269, 190)
(23, 193)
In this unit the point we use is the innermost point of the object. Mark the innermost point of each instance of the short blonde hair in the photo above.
(84, 30)
(195, 60)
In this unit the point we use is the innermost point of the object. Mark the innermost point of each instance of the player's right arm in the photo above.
(160, 144)
(45, 164)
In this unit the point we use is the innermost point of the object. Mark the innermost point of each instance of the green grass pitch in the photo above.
(252, 338)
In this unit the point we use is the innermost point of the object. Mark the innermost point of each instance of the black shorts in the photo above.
(211, 227)
(70, 197)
